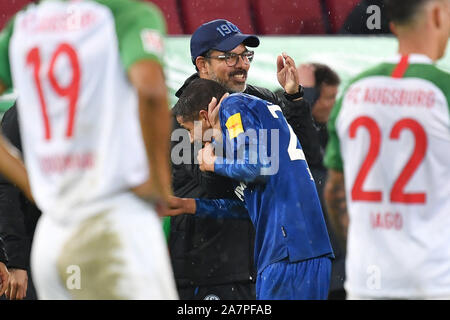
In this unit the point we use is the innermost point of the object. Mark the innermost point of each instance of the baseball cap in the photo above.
(221, 35)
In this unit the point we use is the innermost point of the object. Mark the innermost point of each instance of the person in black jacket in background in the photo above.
(213, 259)
(18, 218)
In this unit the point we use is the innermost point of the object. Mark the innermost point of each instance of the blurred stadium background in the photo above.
(308, 30)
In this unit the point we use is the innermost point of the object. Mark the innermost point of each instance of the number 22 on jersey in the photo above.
(397, 193)
(69, 92)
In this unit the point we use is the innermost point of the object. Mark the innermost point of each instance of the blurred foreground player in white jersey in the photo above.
(94, 120)
(390, 142)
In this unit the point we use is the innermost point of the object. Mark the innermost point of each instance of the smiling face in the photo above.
(232, 78)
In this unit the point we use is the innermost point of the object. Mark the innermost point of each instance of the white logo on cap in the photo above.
(227, 28)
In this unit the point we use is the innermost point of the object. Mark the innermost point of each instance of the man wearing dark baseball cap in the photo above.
(213, 259)
(219, 52)
(219, 35)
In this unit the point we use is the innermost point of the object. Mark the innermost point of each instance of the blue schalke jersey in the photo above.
(262, 153)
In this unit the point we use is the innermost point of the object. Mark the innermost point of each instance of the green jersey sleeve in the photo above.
(5, 69)
(140, 29)
(166, 227)
(333, 159)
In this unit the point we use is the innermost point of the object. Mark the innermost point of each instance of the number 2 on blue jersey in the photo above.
(293, 151)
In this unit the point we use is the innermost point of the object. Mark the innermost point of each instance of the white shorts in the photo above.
(118, 253)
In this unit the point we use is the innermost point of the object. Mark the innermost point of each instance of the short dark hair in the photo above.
(196, 97)
(325, 75)
(403, 11)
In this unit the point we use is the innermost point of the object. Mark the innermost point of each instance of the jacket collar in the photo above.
(186, 83)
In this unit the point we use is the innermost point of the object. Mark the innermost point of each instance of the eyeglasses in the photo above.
(231, 59)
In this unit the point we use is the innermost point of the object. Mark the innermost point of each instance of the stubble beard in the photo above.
(234, 89)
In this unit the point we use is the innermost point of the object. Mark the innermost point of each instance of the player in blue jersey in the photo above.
(262, 153)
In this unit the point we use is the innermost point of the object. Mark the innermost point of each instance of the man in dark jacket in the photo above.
(18, 218)
(212, 259)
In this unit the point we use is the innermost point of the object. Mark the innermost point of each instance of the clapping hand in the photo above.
(287, 73)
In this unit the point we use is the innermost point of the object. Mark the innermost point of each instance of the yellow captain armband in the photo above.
(234, 125)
